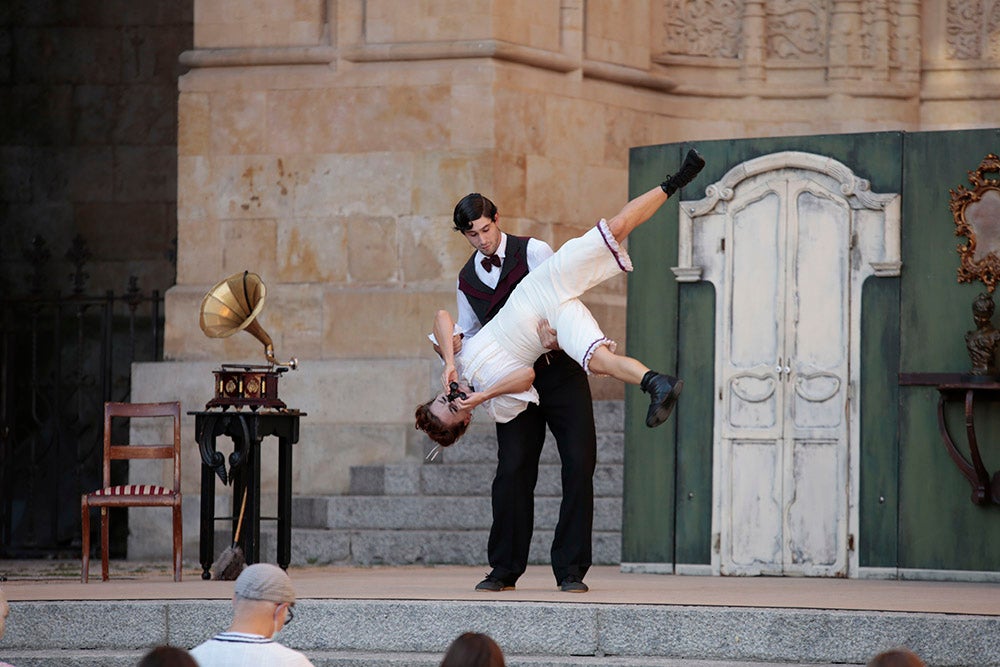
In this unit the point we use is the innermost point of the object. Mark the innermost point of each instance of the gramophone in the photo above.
(233, 305)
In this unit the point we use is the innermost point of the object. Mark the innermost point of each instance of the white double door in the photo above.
(783, 381)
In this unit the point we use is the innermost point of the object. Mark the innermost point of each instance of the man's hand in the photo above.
(547, 336)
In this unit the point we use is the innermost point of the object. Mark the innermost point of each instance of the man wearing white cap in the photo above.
(262, 604)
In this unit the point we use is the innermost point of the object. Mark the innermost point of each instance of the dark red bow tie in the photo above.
(489, 262)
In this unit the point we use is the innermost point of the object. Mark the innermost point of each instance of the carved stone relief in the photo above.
(709, 28)
(796, 29)
(973, 29)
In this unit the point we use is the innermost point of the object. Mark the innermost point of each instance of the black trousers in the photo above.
(567, 408)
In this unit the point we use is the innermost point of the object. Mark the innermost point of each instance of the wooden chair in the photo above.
(134, 495)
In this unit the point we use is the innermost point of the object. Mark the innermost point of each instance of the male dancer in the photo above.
(565, 405)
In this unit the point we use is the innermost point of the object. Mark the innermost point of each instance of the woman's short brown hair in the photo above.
(434, 428)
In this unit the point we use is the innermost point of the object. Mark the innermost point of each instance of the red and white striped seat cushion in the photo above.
(134, 490)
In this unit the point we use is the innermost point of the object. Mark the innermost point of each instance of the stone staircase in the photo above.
(394, 633)
(439, 512)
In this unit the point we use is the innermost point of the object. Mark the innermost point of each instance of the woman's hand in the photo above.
(448, 375)
(470, 401)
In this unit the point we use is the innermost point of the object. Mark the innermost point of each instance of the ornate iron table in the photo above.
(246, 428)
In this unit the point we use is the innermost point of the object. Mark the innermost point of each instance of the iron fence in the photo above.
(61, 357)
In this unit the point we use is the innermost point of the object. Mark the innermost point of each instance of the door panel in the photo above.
(815, 520)
(754, 538)
(756, 303)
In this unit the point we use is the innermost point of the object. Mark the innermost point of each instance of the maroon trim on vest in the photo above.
(484, 301)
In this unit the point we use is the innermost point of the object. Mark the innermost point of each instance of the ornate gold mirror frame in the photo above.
(977, 218)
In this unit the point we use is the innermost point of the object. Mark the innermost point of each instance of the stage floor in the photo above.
(52, 580)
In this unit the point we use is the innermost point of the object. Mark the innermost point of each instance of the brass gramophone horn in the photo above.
(233, 305)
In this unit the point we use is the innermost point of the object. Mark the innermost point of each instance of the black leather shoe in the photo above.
(693, 163)
(492, 584)
(663, 391)
(573, 584)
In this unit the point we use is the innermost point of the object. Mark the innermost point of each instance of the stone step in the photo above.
(429, 512)
(465, 479)
(479, 444)
(85, 658)
(336, 632)
(418, 547)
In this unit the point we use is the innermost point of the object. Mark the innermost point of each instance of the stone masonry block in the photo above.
(365, 334)
(249, 245)
(448, 176)
(248, 187)
(194, 124)
(313, 250)
(430, 248)
(618, 37)
(238, 122)
(534, 24)
(327, 121)
(342, 185)
(372, 251)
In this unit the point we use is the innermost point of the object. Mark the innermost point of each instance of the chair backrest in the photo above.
(164, 451)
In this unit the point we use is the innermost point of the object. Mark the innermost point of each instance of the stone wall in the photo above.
(88, 148)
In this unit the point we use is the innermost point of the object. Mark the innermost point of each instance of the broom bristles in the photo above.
(229, 564)
(231, 561)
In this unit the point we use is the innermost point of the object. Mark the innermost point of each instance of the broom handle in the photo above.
(239, 523)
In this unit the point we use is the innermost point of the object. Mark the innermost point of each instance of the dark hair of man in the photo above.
(435, 430)
(473, 649)
(471, 208)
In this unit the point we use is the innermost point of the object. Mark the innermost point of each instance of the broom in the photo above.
(231, 561)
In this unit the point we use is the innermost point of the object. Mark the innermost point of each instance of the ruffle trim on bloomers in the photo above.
(621, 256)
(611, 345)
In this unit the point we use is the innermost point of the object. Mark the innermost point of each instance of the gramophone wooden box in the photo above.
(240, 385)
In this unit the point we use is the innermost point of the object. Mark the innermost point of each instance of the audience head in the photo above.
(473, 649)
(263, 598)
(167, 656)
(897, 657)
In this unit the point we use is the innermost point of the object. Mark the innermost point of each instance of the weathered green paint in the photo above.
(879, 392)
(939, 528)
(914, 506)
(648, 497)
(694, 424)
